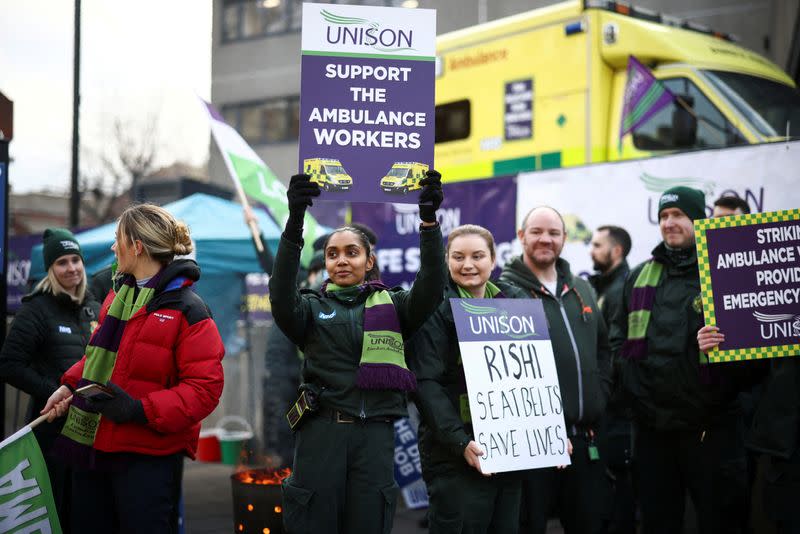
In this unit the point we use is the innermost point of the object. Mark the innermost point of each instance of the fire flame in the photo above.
(263, 476)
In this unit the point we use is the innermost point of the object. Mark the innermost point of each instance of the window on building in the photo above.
(661, 131)
(452, 121)
(267, 121)
(251, 19)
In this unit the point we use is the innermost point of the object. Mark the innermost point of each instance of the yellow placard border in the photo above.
(701, 228)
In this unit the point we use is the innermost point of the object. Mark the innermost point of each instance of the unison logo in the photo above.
(356, 31)
(389, 342)
(486, 320)
(778, 325)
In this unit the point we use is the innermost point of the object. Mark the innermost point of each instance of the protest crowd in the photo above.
(607, 402)
(650, 425)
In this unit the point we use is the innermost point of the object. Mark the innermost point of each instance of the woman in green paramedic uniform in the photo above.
(352, 333)
(463, 499)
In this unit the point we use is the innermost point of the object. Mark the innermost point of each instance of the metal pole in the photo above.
(4, 190)
(482, 11)
(74, 198)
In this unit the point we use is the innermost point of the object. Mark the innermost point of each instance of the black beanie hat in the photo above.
(58, 242)
(690, 201)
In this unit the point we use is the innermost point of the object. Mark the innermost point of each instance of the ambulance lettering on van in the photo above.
(328, 173)
(404, 176)
(501, 110)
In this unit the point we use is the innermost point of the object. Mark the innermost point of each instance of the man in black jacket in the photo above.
(609, 251)
(685, 414)
(580, 346)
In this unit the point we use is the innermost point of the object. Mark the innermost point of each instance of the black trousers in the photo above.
(619, 515)
(463, 501)
(575, 494)
(138, 498)
(782, 486)
(709, 466)
(342, 479)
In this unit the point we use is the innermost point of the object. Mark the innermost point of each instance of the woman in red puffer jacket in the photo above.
(157, 355)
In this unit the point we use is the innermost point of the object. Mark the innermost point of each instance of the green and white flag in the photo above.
(26, 498)
(254, 178)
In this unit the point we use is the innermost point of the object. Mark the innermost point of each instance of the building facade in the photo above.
(256, 56)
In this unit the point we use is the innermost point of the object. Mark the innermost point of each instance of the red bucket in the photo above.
(208, 446)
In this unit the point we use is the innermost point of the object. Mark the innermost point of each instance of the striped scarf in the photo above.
(383, 362)
(643, 296)
(101, 355)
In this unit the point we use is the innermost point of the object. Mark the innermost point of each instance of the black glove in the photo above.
(431, 196)
(121, 409)
(299, 197)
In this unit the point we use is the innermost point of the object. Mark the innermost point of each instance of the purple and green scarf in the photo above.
(383, 362)
(101, 355)
(643, 297)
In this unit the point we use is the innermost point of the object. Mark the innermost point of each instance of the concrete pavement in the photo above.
(208, 503)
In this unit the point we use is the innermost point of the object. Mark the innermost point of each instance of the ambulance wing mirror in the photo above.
(684, 123)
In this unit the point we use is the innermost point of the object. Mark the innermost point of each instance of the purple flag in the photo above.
(644, 96)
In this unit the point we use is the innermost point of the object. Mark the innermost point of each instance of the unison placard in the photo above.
(512, 384)
(367, 100)
(750, 283)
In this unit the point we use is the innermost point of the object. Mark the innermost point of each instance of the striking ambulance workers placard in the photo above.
(750, 283)
(512, 384)
(367, 101)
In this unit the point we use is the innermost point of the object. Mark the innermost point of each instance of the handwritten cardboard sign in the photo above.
(512, 384)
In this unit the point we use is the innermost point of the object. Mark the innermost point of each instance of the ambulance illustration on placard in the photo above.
(328, 173)
(404, 176)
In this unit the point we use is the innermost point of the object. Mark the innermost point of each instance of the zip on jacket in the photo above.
(576, 353)
(580, 348)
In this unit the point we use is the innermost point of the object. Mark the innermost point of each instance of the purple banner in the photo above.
(754, 272)
(19, 268)
(644, 96)
(489, 203)
(367, 126)
(499, 320)
(256, 306)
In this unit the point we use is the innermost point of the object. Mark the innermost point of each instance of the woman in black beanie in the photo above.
(48, 335)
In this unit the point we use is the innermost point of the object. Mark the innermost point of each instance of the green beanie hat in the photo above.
(57, 242)
(690, 201)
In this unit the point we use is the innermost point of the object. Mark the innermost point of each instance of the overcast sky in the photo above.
(139, 58)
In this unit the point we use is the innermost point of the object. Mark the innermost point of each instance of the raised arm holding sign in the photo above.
(355, 377)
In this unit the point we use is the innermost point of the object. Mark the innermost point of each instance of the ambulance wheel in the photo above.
(405, 190)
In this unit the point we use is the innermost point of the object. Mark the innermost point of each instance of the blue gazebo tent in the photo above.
(223, 244)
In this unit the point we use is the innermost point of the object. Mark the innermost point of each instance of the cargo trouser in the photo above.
(462, 501)
(342, 479)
